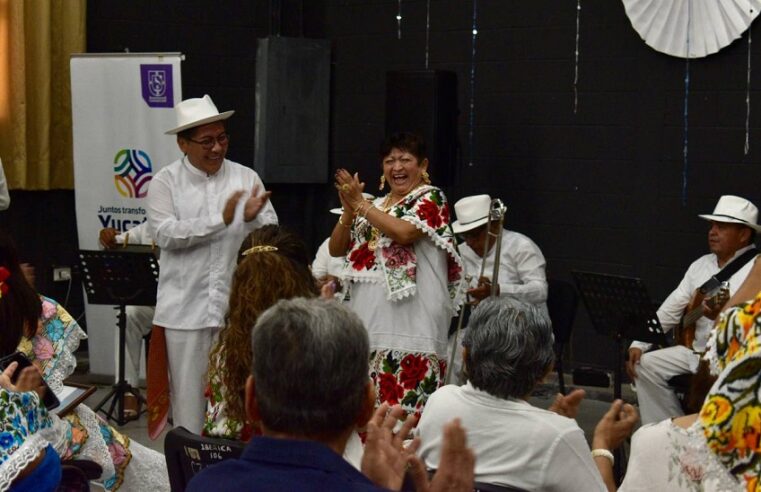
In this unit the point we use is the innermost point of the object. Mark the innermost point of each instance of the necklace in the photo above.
(386, 207)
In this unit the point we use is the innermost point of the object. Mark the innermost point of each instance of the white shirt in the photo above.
(521, 268)
(324, 264)
(198, 251)
(5, 197)
(515, 443)
(672, 309)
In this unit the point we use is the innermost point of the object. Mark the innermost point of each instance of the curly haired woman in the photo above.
(273, 264)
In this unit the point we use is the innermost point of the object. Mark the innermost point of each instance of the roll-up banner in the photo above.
(122, 103)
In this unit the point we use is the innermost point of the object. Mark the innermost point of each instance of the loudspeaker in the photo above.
(425, 102)
(292, 110)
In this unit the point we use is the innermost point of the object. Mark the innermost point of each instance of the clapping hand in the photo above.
(568, 405)
(350, 189)
(30, 379)
(255, 203)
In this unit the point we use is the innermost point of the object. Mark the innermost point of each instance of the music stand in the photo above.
(119, 278)
(619, 307)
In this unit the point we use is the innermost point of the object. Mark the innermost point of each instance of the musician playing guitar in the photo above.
(731, 242)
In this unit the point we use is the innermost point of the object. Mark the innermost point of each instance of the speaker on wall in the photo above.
(292, 110)
(425, 102)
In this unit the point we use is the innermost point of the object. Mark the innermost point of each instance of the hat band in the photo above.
(730, 217)
(474, 220)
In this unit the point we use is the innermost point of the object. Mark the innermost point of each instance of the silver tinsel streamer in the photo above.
(399, 21)
(427, 29)
(576, 66)
(747, 93)
(471, 119)
(685, 166)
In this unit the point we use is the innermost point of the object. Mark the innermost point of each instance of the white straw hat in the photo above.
(196, 112)
(472, 212)
(735, 210)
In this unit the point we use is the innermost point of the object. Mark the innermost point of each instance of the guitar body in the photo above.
(684, 332)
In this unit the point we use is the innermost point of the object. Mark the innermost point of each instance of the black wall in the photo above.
(598, 190)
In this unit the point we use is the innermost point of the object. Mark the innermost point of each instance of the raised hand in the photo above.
(568, 405)
(349, 188)
(228, 213)
(255, 203)
(385, 458)
(615, 426)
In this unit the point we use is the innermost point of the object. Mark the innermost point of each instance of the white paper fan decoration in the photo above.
(713, 24)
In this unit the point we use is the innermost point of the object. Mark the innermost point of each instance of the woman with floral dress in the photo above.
(273, 264)
(402, 274)
(43, 330)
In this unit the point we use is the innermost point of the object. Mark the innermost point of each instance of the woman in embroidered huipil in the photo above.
(41, 329)
(402, 274)
(273, 264)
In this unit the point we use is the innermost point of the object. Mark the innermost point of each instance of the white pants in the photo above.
(656, 398)
(188, 357)
(139, 324)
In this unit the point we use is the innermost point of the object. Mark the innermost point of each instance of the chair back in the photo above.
(562, 302)
(188, 453)
(489, 487)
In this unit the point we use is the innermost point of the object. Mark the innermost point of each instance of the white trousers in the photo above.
(188, 357)
(656, 398)
(139, 324)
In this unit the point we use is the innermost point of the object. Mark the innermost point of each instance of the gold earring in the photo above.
(426, 178)
(382, 182)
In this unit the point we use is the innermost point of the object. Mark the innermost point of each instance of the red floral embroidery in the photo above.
(397, 255)
(453, 270)
(429, 212)
(445, 213)
(390, 391)
(414, 368)
(362, 258)
(4, 275)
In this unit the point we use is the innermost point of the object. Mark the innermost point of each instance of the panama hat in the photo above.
(735, 210)
(340, 210)
(472, 212)
(196, 112)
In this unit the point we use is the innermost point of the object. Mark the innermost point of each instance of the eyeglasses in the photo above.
(208, 143)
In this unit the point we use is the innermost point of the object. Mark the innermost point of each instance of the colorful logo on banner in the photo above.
(132, 173)
(156, 82)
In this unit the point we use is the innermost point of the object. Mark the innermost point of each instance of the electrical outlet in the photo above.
(61, 274)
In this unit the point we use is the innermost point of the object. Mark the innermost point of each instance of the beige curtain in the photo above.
(37, 38)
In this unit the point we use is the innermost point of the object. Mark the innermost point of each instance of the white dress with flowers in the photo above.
(406, 297)
(81, 434)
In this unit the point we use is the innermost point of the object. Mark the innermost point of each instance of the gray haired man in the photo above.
(309, 391)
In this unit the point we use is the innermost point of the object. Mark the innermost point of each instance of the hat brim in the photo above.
(459, 228)
(730, 220)
(203, 121)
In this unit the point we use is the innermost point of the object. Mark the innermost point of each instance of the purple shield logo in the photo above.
(156, 82)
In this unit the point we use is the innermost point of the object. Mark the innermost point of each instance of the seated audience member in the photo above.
(309, 390)
(718, 447)
(508, 351)
(139, 318)
(48, 336)
(27, 461)
(273, 264)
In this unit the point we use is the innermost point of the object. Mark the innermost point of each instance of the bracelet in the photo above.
(348, 226)
(367, 210)
(605, 453)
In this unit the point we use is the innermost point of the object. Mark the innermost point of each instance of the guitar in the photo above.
(684, 332)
